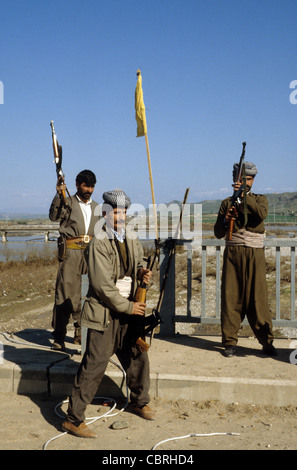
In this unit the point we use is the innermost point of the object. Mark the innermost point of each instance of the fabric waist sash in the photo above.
(245, 238)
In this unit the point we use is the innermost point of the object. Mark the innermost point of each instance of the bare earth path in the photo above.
(31, 421)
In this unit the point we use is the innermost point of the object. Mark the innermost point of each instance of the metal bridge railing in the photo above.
(211, 315)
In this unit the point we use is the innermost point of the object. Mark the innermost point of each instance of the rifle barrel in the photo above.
(58, 160)
(236, 192)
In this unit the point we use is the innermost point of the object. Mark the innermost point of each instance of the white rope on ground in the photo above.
(108, 413)
(95, 418)
(88, 420)
(196, 435)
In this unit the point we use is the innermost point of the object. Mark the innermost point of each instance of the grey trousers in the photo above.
(68, 292)
(101, 345)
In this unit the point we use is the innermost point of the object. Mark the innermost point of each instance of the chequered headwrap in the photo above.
(250, 169)
(116, 198)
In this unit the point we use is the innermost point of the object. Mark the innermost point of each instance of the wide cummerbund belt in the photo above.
(78, 243)
(245, 238)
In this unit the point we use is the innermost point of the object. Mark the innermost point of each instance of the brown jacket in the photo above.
(257, 211)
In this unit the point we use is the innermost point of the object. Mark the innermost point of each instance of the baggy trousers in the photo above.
(101, 345)
(244, 293)
(68, 292)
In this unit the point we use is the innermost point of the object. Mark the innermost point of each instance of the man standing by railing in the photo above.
(244, 288)
(77, 222)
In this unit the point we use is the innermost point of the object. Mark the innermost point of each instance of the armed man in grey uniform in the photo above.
(111, 314)
(244, 288)
(77, 221)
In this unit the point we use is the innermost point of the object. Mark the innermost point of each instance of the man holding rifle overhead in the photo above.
(77, 221)
(244, 288)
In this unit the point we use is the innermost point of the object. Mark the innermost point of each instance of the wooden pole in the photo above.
(152, 186)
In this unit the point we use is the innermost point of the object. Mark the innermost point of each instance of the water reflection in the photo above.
(32, 246)
(23, 248)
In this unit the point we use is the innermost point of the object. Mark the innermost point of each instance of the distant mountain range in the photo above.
(279, 203)
(9, 216)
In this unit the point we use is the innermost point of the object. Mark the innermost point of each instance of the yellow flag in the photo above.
(140, 108)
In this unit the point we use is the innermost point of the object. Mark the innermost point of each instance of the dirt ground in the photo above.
(30, 422)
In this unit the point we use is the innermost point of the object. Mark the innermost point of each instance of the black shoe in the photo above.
(269, 350)
(230, 351)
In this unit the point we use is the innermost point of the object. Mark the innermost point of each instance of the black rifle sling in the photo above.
(171, 243)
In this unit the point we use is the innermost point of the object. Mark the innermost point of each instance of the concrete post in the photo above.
(167, 327)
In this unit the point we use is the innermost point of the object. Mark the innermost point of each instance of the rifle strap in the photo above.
(170, 244)
(244, 196)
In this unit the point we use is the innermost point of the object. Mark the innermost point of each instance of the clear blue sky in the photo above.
(215, 73)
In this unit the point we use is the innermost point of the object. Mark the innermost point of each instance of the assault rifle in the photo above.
(58, 161)
(140, 296)
(152, 321)
(237, 192)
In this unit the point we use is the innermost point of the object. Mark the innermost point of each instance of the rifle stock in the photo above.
(230, 229)
(140, 296)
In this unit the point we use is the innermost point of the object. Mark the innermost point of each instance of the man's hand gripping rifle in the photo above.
(58, 161)
(232, 213)
(140, 296)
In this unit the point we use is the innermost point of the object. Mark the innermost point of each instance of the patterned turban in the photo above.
(250, 169)
(116, 198)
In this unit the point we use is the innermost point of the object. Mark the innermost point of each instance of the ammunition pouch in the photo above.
(62, 248)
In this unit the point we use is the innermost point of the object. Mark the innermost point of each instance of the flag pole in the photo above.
(152, 185)
(142, 130)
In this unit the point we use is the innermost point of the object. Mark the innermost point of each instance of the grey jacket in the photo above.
(104, 270)
(71, 221)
